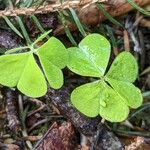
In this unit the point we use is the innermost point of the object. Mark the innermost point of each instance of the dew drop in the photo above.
(106, 95)
(102, 103)
(115, 63)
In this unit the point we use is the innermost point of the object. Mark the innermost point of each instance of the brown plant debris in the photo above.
(9, 147)
(11, 110)
(58, 137)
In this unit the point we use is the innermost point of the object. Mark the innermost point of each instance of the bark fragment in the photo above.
(11, 110)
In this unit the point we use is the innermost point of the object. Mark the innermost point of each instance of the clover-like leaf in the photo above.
(32, 82)
(85, 99)
(98, 98)
(11, 67)
(53, 73)
(115, 110)
(53, 57)
(113, 94)
(55, 52)
(129, 93)
(22, 71)
(124, 68)
(78, 58)
(91, 57)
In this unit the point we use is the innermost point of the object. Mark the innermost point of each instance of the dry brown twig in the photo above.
(48, 8)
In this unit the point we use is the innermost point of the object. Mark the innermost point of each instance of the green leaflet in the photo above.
(22, 71)
(124, 68)
(11, 67)
(55, 52)
(131, 94)
(32, 82)
(98, 98)
(111, 101)
(53, 57)
(81, 64)
(85, 99)
(115, 110)
(53, 73)
(90, 58)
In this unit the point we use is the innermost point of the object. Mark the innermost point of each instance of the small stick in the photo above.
(126, 40)
(38, 123)
(38, 103)
(31, 138)
(47, 8)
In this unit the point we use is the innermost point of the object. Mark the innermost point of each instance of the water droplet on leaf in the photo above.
(102, 103)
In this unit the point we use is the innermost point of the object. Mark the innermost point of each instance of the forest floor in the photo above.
(51, 122)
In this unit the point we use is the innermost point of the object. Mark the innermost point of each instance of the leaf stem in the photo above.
(16, 49)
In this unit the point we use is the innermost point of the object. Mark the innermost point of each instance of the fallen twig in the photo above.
(48, 8)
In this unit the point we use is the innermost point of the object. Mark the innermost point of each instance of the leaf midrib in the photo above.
(91, 61)
(117, 91)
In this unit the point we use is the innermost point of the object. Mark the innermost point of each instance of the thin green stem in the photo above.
(78, 23)
(67, 31)
(38, 24)
(132, 133)
(139, 110)
(24, 31)
(16, 49)
(133, 4)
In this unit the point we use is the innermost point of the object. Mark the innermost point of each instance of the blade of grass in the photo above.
(101, 29)
(146, 71)
(24, 31)
(8, 4)
(26, 3)
(38, 24)
(139, 110)
(108, 16)
(132, 133)
(67, 31)
(77, 21)
(113, 39)
(133, 4)
(12, 26)
(68, 16)
(111, 35)
(146, 94)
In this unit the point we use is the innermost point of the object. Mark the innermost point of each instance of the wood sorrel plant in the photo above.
(21, 70)
(113, 93)
(110, 96)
